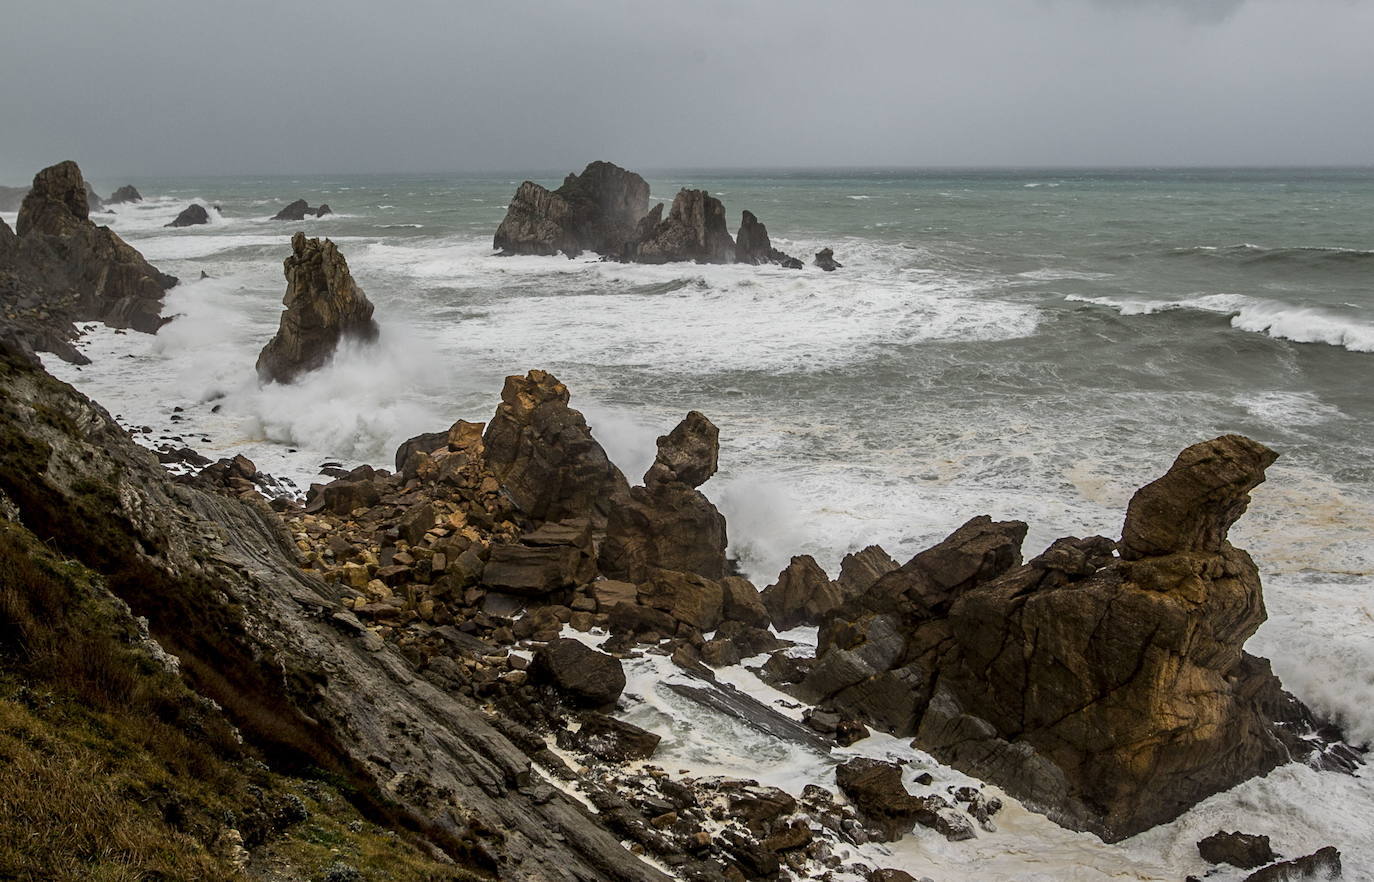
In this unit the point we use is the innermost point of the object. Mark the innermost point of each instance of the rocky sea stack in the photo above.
(300, 210)
(126, 193)
(323, 307)
(606, 210)
(92, 274)
(190, 216)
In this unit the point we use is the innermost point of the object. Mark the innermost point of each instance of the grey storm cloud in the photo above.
(161, 87)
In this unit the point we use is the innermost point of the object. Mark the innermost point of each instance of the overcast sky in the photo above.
(146, 88)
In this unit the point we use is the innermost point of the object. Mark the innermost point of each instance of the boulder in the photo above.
(825, 259)
(752, 245)
(1323, 864)
(667, 523)
(687, 597)
(585, 677)
(542, 452)
(743, 603)
(694, 230)
(598, 210)
(191, 216)
(545, 560)
(1110, 692)
(126, 193)
(296, 211)
(111, 281)
(875, 787)
(613, 740)
(803, 595)
(860, 569)
(427, 442)
(323, 307)
(1237, 849)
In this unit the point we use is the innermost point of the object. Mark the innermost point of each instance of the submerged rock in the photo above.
(323, 307)
(1322, 864)
(598, 210)
(190, 216)
(111, 280)
(126, 193)
(694, 230)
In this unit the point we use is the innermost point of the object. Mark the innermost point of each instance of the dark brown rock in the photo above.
(875, 788)
(427, 442)
(1324, 864)
(598, 210)
(585, 677)
(110, 280)
(191, 216)
(543, 453)
(694, 230)
(535, 568)
(803, 595)
(1237, 849)
(743, 603)
(825, 259)
(860, 569)
(614, 740)
(323, 307)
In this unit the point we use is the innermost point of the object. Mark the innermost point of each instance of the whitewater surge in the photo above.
(954, 367)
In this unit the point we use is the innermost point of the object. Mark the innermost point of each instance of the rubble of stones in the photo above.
(606, 210)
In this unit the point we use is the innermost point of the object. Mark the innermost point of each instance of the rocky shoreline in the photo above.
(450, 637)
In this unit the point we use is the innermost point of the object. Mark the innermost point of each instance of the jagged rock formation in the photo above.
(37, 298)
(752, 245)
(1237, 849)
(126, 193)
(543, 454)
(1323, 864)
(825, 259)
(110, 281)
(694, 230)
(803, 595)
(191, 216)
(595, 211)
(323, 306)
(218, 581)
(1113, 693)
(667, 523)
(299, 210)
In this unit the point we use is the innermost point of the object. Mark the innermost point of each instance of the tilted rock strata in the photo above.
(323, 307)
(112, 281)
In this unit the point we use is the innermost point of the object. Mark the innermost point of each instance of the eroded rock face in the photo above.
(803, 594)
(545, 457)
(694, 230)
(667, 523)
(752, 245)
(112, 282)
(191, 216)
(126, 193)
(323, 307)
(598, 210)
(1111, 693)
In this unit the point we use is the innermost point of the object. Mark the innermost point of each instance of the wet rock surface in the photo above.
(300, 210)
(1237, 849)
(324, 306)
(190, 216)
(598, 210)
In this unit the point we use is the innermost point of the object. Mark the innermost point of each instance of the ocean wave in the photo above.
(1303, 256)
(1299, 324)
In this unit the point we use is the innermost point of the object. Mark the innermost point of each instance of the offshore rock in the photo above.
(752, 245)
(1111, 693)
(37, 298)
(323, 307)
(667, 523)
(825, 259)
(300, 210)
(126, 193)
(190, 216)
(112, 282)
(544, 455)
(598, 210)
(694, 230)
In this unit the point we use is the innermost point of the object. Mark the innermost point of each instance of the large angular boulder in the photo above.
(667, 523)
(585, 677)
(323, 306)
(598, 210)
(553, 557)
(694, 230)
(860, 569)
(1111, 692)
(803, 595)
(544, 456)
(752, 245)
(111, 280)
(875, 787)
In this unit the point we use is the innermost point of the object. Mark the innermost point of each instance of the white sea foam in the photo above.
(1301, 324)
